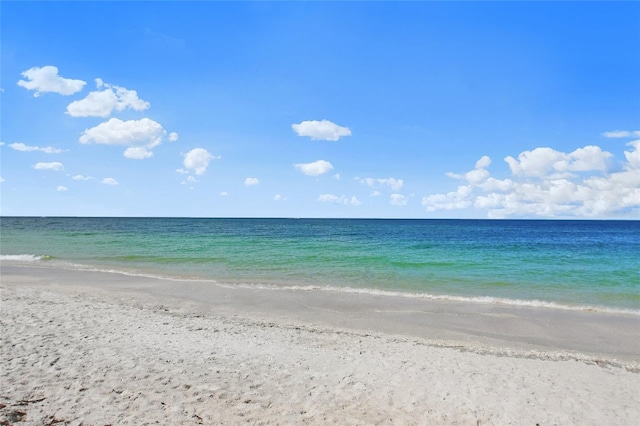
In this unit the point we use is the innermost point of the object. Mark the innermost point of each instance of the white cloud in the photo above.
(622, 134)
(549, 183)
(46, 79)
(137, 153)
(324, 130)
(250, 181)
(104, 102)
(585, 159)
(633, 157)
(26, 148)
(315, 168)
(62, 188)
(483, 162)
(398, 200)
(109, 181)
(330, 198)
(279, 197)
(173, 136)
(1, 179)
(144, 134)
(376, 193)
(80, 177)
(198, 160)
(535, 163)
(458, 199)
(541, 161)
(49, 166)
(224, 193)
(393, 183)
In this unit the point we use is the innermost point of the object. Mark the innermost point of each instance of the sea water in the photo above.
(557, 264)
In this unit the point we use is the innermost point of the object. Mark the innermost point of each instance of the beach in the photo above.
(89, 347)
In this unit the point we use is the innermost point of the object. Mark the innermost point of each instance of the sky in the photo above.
(320, 109)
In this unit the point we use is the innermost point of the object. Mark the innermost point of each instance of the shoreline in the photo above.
(82, 347)
(34, 261)
(502, 329)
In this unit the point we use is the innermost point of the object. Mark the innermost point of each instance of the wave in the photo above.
(442, 297)
(329, 288)
(24, 257)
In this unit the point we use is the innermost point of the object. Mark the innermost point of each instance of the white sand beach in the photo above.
(96, 348)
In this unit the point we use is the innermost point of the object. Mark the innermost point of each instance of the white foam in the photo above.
(451, 298)
(22, 257)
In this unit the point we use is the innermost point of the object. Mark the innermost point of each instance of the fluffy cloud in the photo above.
(109, 181)
(535, 163)
(393, 183)
(450, 201)
(622, 134)
(398, 200)
(103, 103)
(46, 79)
(62, 188)
(279, 197)
(137, 153)
(173, 136)
(477, 175)
(197, 160)
(330, 198)
(49, 166)
(549, 183)
(541, 161)
(324, 130)
(316, 168)
(26, 148)
(250, 181)
(140, 135)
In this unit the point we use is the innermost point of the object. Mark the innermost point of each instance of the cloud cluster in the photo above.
(321, 130)
(140, 136)
(46, 79)
(102, 103)
(330, 198)
(315, 168)
(549, 183)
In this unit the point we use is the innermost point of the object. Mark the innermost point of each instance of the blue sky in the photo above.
(321, 109)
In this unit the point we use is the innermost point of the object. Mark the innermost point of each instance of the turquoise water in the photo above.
(570, 264)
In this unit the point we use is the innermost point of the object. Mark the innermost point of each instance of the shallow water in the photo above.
(568, 264)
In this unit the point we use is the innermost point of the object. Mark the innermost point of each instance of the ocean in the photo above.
(582, 265)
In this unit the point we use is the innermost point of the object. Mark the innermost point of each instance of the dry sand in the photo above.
(96, 348)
